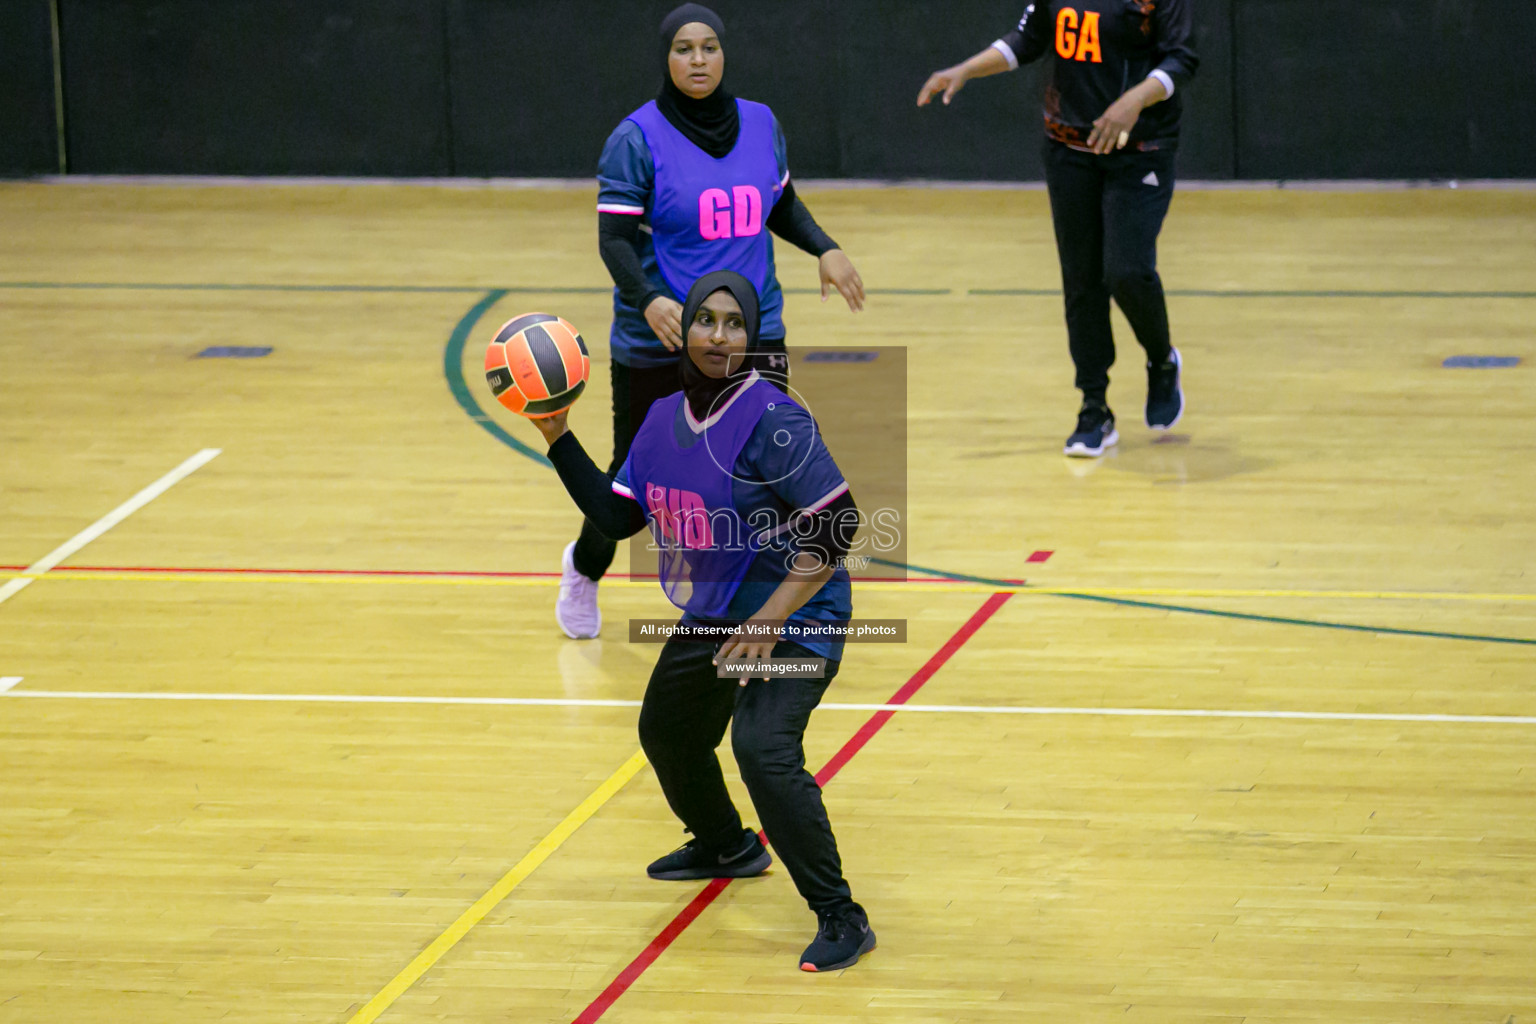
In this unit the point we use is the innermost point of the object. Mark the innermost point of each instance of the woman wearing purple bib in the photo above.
(694, 181)
(752, 518)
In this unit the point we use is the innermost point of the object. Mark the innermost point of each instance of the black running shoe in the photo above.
(1165, 392)
(1095, 430)
(694, 860)
(842, 936)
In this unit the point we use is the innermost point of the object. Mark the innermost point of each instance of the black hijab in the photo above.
(703, 392)
(711, 123)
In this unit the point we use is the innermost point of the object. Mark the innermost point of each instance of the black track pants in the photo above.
(1107, 211)
(683, 720)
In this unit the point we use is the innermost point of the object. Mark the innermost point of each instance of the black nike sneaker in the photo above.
(694, 860)
(1095, 431)
(843, 935)
(1165, 392)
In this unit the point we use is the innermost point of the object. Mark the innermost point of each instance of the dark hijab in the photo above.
(711, 123)
(703, 392)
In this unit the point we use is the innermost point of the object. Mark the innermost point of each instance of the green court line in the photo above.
(1249, 293)
(453, 370)
(875, 291)
(406, 289)
(1318, 623)
(958, 577)
(1187, 610)
(453, 373)
(149, 286)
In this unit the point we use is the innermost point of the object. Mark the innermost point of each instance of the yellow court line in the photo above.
(1375, 595)
(498, 892)
(894, 586)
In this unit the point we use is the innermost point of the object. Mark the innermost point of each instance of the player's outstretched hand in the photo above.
(665, 315)
(950, 81)
(552, 427)
(837, 272)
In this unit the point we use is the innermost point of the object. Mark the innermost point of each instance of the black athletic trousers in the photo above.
(635, 390)
(1107, 211)
(683, 720)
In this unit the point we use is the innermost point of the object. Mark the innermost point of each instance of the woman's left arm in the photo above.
(791, 221)
(1172, 28)
(1113, 127)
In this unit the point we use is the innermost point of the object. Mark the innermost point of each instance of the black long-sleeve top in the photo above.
(618, 235)
(616, 517)
(1101, 48)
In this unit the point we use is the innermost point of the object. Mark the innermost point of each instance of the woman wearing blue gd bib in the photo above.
(753, 517)
(694, 181)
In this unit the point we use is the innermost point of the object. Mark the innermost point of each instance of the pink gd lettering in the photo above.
(680, 515)
(719, 213)
(656, 506)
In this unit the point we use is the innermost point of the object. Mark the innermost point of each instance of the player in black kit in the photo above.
(1112, 125)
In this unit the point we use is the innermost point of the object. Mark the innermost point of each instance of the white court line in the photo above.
(6, 682)
(960, 709)
(107, 521)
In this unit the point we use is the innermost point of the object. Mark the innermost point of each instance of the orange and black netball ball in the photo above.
(537, 365)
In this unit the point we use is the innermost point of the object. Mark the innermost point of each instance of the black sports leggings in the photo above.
(635, 390)
(683, 720)
(1108, 211)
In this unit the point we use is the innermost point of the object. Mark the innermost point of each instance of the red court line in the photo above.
(695, 907)
(1039, 556)
(403, 573)
(231, 570)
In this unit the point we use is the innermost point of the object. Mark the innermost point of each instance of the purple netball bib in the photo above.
(711, 214)
(705, 545)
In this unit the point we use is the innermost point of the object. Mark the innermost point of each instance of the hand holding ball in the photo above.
(537, 365)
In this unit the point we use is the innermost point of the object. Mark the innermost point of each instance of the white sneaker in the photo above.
(576, 610)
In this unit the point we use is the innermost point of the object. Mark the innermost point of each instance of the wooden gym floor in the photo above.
(1256, 740)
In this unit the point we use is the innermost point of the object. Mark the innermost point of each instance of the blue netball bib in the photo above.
(705, 546)
(711, 214)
